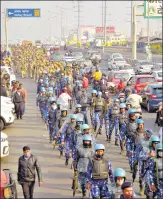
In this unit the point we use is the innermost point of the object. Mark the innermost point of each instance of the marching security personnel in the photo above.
(99, 108)
(84, 104)
(78, 93)
(114, 190)
(92, 102)
(52, 117)
(85, 129)
(81, 160)
(141, 156)
(67, 135)
(99, 169)
(78, 113)
(154, 174)
(130, 137)
(112, 119)
(122, 126)
(153, 141)
(61, 122)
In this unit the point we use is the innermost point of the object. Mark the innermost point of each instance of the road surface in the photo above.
(57, 177)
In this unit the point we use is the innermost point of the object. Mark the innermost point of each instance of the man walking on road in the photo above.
(18, 100)
(26, 172)
(24, 92)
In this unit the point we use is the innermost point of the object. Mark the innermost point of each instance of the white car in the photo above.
(157, 75)
(6, 117)
(6, 101)
(143, 67)
(68, 59)
(77, 55)
(127, 68)
(4, 145)
(119, 61)
(156, 66)
(115, 55)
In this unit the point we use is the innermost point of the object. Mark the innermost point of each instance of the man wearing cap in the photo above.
(26, 172)
(18, 100)
(127, 191)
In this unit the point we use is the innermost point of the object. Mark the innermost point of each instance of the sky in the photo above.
(49, 24)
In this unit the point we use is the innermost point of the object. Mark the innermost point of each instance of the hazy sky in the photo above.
(118, 13)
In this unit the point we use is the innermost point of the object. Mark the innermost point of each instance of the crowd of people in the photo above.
(66, 105)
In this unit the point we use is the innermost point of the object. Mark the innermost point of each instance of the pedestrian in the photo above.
(85, 82)
(18, 100)
(24, 92)
(26, 172)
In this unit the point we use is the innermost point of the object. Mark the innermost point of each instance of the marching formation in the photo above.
(74, 118)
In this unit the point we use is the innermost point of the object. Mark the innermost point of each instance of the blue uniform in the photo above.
(99, 184)
(112, 117)
(155, 176)
(67, 135)
(130, 141)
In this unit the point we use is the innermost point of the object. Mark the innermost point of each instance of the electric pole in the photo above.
(78, 21)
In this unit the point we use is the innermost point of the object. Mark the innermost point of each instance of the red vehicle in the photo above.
(7, 185)
(139, 82)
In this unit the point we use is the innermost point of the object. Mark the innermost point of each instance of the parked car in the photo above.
(118, 61)
(128, 68)
(88, 54)
(8, 185)
(156, 66)
(115, 55)
(143, 67)
(6, 117)
(157, 75)
(6, 101)
(116, 76)
(4, 145)
(77, 55)
(152, 94)
(139, 82)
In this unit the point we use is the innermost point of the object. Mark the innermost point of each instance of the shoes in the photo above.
(66, 162)
(21, 118)
(116, 143)
(109, 138)
(141, 192)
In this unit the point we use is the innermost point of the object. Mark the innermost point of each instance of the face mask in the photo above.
(54, 106)
(160, 154)
(120, 182)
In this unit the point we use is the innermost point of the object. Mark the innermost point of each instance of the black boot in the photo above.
(100, 131)
(66, 162)
(61, 153)
(116, 142)
(109, 138)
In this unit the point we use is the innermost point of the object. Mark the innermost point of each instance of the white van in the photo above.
(4, 145)
(6, 117)
(6, 101)
(9, 71)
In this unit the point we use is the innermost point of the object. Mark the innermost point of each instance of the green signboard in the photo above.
(153, 8)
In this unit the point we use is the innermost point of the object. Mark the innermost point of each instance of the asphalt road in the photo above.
(57, 177)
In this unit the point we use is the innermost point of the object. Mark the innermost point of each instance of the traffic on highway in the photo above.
(80, 119)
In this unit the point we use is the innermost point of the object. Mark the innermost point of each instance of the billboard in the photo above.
(109, 29)
(87, 31)
(154, 9)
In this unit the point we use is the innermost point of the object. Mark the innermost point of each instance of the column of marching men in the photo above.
(66, 107)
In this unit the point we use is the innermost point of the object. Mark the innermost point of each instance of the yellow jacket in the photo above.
(97, 75)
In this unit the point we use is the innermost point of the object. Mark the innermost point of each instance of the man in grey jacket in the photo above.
(26, 172)
(18, 100)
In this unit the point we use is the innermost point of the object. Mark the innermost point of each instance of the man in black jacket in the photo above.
(26, 172)
(18, 100)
